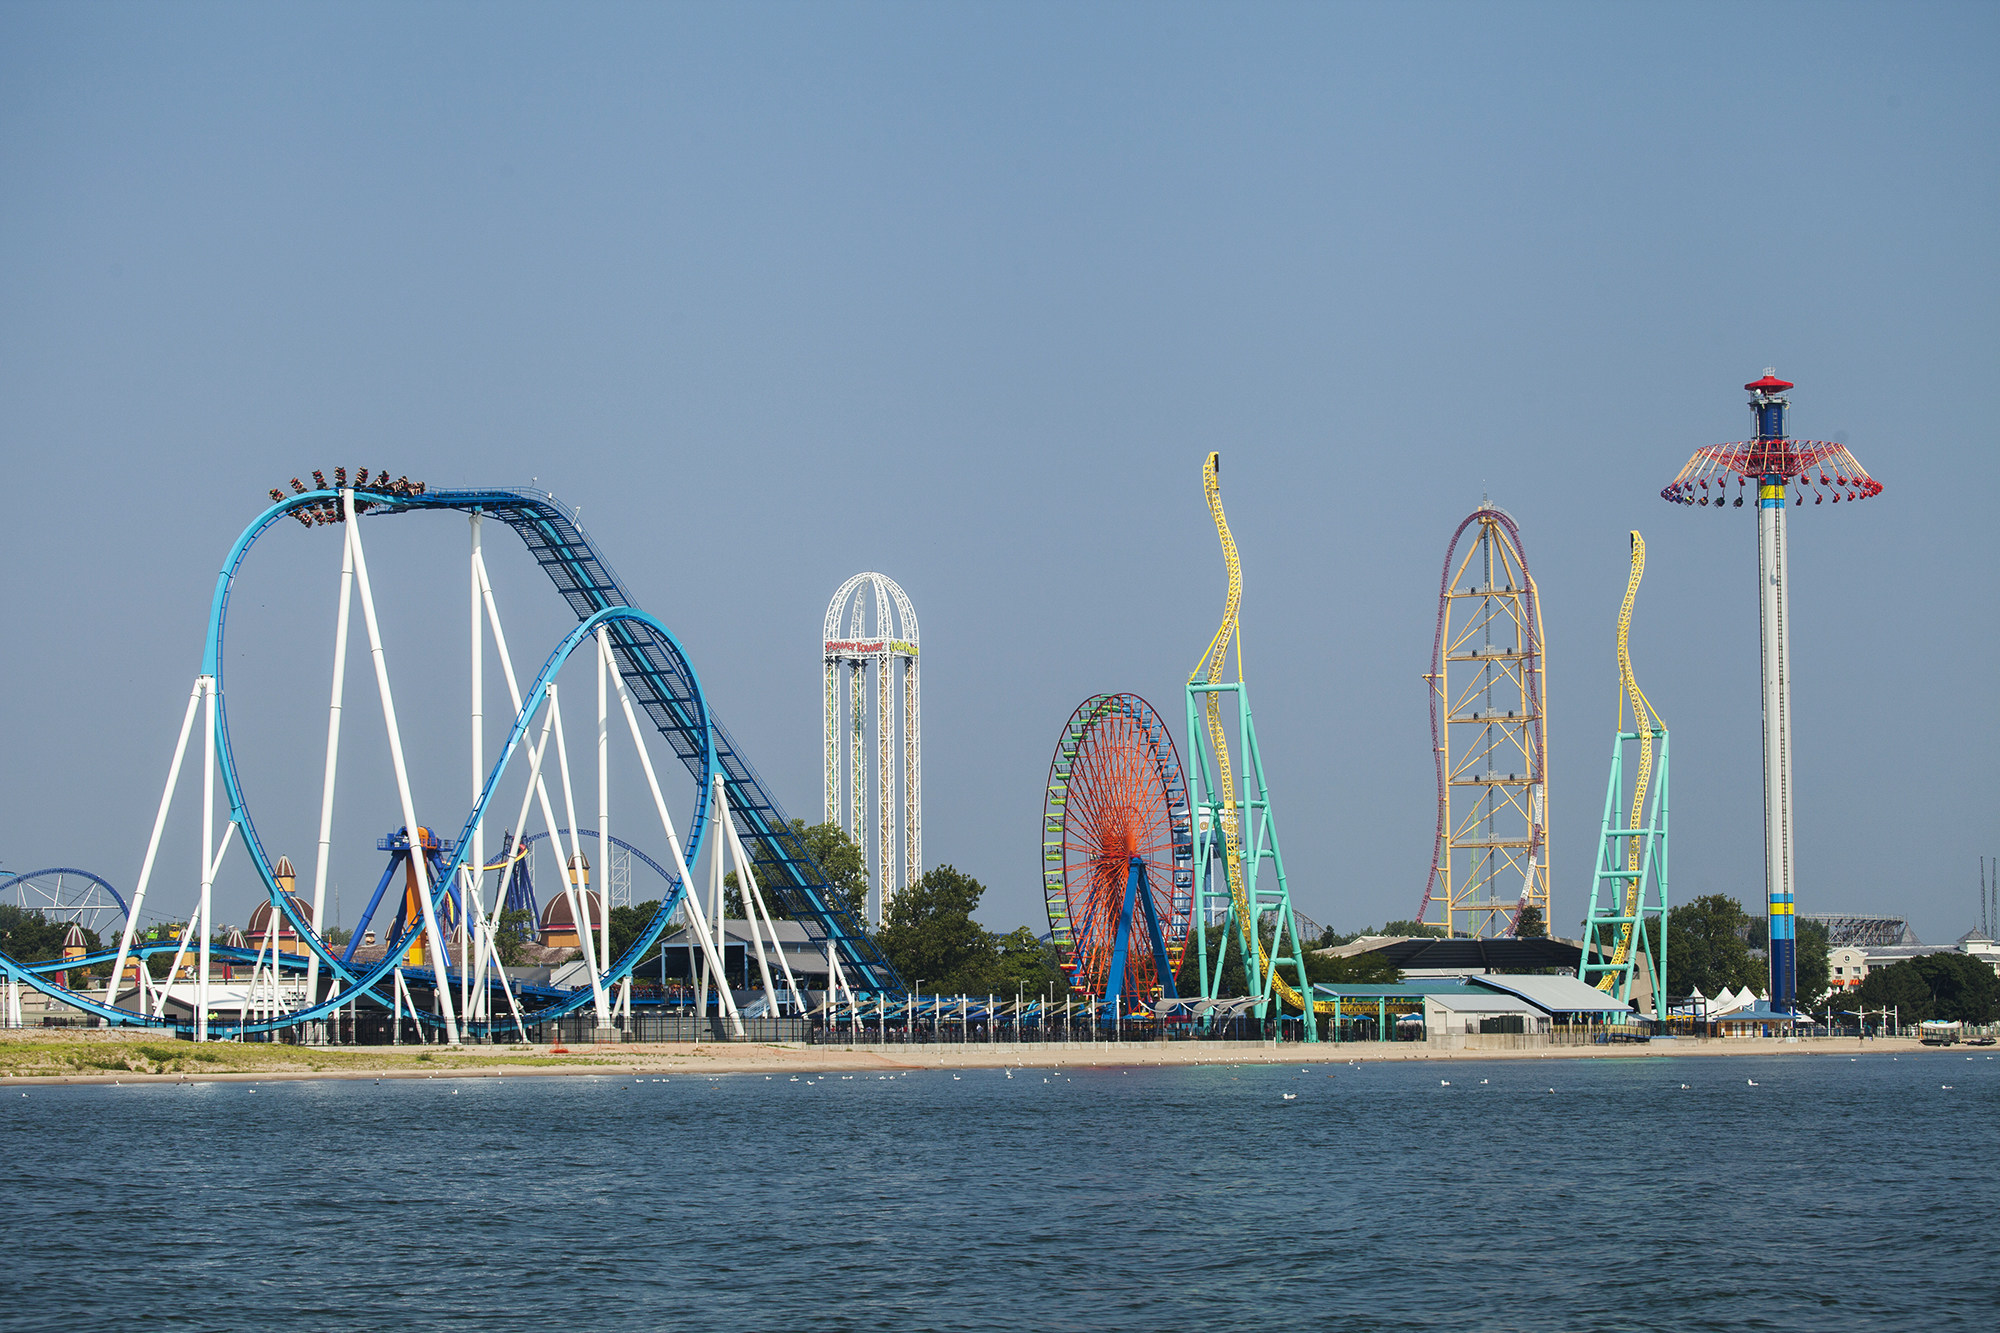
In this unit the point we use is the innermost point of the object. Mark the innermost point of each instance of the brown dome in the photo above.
(558, 918)
(260, 917)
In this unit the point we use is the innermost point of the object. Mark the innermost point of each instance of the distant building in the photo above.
(558, 924)
(1421, 956)
(1849, 965)
(285, 935)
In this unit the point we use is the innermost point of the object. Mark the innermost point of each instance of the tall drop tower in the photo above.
(870, 625)
(1781, 466)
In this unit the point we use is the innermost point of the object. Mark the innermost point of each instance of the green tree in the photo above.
(930, 936)
(515, 930)
(627, 924)
(1532, 925)
(1812, 966)
(1367, 969)
(1410, 928)
(1950, 986)
(838, 857)
(1027, 964)
(1811, 969)
(1705, 948)
(27, 936)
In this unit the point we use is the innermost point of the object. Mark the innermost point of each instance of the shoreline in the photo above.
(262, 1063)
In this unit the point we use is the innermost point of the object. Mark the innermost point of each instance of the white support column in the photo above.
(712, 910)
(857, 762)
(913, 772)
(153, 846)
(885, 769)
(476, 1006)
(755, 908)
(440, 956)
(721, 841)
(485, 934)
(472, 891)
(691, 902)
(747, 887)
(579, 895)
(332, 752)
(207, 861)
(174, 968)
(831, 805)
(248, 999)
(604, 796)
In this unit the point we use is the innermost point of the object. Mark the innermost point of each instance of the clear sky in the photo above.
(964, 293)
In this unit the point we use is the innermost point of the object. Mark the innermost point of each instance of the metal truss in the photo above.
(1489, 735)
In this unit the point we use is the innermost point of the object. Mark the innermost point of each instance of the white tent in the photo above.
(1727, 1001)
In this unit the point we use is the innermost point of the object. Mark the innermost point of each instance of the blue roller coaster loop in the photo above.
(359, 980)
(671, 877)
(661, 682)
(98, 880)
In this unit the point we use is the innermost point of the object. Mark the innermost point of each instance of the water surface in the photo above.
(1540, 1194)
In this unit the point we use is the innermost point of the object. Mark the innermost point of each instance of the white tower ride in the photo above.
(855, 640)
(1781, 468)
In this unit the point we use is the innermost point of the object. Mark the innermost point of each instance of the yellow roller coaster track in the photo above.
(1210, 670)
(1645, 721)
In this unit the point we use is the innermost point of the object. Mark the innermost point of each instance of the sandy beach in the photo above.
(83, 1056)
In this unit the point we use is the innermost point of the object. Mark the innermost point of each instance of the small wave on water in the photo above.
(1785, 1192)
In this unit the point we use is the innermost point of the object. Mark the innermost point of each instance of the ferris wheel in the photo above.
(67, 895)
(1118, 851)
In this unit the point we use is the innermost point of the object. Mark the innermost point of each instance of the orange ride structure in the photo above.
(1489, 736)
(1118, 854)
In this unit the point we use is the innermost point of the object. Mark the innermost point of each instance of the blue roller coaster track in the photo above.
(661, 682)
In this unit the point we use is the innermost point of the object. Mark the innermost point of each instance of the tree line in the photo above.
(930, 935)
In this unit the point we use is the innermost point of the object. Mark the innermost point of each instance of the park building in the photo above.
(285, 936)
(678, 957)
(557, 928)
(1848, 965)
(1469, 994)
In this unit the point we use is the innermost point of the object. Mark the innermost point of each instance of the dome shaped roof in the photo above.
(260, 917)
(557, 916)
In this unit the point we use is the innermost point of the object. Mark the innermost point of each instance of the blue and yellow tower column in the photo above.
(1771, 460)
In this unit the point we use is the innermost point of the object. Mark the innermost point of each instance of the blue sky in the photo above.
(964, 293)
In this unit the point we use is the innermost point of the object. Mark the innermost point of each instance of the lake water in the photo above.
(1836, 1193)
